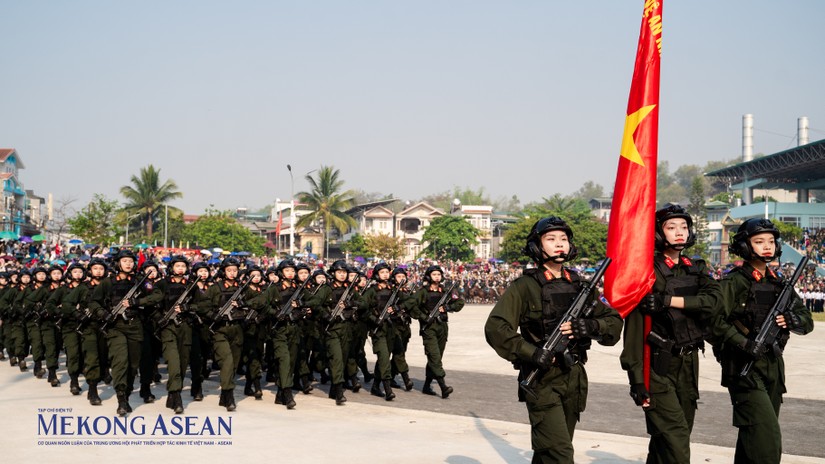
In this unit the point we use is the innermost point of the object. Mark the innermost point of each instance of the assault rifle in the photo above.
(84, 319)
(556, 341)
(341, 304)
(120, 309)
(286, 309)
(386, 311)
(171, 315)
(769, 332)
(225, 311)
(251, 314)
(434, 312)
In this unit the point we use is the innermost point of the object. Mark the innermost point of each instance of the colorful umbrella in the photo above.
(38, 237)
(75, 241)
(142, 246)
(25, 239)
(9, 235)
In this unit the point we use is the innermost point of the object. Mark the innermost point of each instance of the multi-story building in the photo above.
(20, 212)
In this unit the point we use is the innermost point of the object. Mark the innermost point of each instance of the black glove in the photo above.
(754, 351)
(655, 303)
(542, 358)
(133, 303)
(794, 322)
(584, 328)
(639, 393)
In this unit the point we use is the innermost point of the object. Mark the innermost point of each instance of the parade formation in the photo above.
(290, 326)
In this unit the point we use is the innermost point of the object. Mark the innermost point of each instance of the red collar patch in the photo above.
(757, 276)
(669, 262)
(686, 261)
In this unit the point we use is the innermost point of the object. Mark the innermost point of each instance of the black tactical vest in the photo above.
(761, 298)
(382, 296)
(173, 291)
(432, 300)
(556, 297)
(676, 324)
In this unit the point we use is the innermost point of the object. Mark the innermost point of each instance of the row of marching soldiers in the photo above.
(115, 323)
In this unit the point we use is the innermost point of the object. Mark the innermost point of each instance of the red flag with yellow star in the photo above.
(630, 234)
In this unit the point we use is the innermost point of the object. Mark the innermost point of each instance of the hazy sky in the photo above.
(409, 98)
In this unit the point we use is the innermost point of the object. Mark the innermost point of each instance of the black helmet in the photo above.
(199, 265)
(147, 264)
(339, 265)
(271, 270)
(378, 267)
(673, 211)
(74, 266)
(303, 266)
(124, 253)
(398, 270)
(253, 268)
(432, 269)
(741, 243)
(98, 262)
(178, 259)
(533, 247)
(40, 269)
(229, 262)
(55, 267)
(285, 264)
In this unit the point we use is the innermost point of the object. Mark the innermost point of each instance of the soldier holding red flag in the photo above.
(664, 335)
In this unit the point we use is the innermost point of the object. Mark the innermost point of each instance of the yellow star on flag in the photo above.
(632, 121)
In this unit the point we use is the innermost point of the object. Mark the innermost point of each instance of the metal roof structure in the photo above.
(799, 167)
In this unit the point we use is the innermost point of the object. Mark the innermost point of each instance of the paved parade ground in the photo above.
(480, 423)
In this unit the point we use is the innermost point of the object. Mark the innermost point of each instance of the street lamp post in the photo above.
(291, 211)
(129, 218)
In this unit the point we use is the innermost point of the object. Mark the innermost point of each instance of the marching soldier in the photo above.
(33, 302)
(228, 331)
(307, 328)
(401, 326)
(176, 335)
(20, 332)
(258, 298)
(5, 332)
(93, 344)
(337, 334)
(435, 334)
(150, 347)
(382, 334)
(749, 292)
(125, 333)
(679, 308)
(526, 314)
(66, 302)
(201, 339)
(285, 336)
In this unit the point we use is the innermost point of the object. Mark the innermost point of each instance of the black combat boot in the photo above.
(74, 385)
(92, 396)
(376, 387)
(388, 394)
(340, 399)
(356, 385)
(259, 393)
(428, 387)
(222, 400)
(362, 364)
(324, 377)
(107, 378)
(248, 389)
(128, 406)
(13, 360)
(306, 385)
(176, 402)
(332, 389)
(393, 383)
(408, 384)
(39, 372)
(156, 375)
(53, 377)
(288, 399)
(229, 399)
(3, 356)
(445, 389)
(22, 365)
(170, 402)
(122, 404)
(196, 391)
(146, 393)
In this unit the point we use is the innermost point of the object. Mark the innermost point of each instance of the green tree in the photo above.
(96, 222)
(147, 194)
(450, 237)
(697, 211)
(356, 246)
(223, 231)
(384, 246)
(790, 233)
(327, 202)
(589, 234)
(588, 191)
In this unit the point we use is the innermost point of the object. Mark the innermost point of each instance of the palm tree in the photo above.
(327, 202)
(146, 195)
